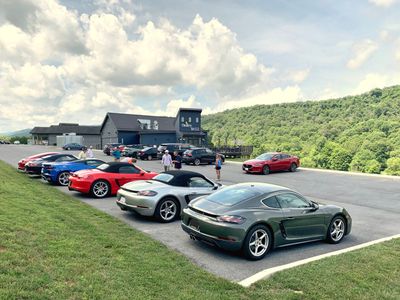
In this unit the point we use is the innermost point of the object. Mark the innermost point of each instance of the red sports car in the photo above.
(24, 161)
(272, 161)
(107, 178)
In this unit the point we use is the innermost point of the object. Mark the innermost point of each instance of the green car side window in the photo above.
(271, 202)
(290, 200)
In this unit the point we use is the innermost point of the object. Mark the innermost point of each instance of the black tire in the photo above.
(336, 238)
(265, 170)
(107, 188)
(197, 162)
(165, 217)
(250, 251)
(293, 167)
(123, 208)
(149, 157)
(68, 148)
(61, 178)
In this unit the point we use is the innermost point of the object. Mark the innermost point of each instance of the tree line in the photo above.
(355, 133)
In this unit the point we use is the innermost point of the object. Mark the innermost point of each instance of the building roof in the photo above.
(67, 128)
(129, 122)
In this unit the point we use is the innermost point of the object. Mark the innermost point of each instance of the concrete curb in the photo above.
(271, 271)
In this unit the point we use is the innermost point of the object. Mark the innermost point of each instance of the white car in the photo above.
(166, 195)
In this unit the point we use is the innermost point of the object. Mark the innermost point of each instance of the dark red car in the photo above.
(272, 161)
(24, 161)
(107, 178)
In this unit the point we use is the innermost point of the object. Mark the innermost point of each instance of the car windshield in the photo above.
(146, 149)
(163, 177)
(265, 156)
(161, 148)
(103, 167)
(233, 195)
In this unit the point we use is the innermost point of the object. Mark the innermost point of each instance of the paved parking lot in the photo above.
(373, 202)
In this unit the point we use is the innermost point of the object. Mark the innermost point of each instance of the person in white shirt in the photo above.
(82, 154)
(90, 152)
(166, 161)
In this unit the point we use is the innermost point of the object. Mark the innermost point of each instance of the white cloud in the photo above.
(375, 80)
(273, 96)
(59, 65)
(383, 3)
(299, 76)
(361, 52)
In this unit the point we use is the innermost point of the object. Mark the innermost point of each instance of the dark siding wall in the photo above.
(189, 123)
(128, 137)
(109, 133)
(157, 138)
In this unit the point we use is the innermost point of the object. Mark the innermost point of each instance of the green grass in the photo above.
(53, 246)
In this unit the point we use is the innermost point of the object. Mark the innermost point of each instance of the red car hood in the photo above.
(253, 161)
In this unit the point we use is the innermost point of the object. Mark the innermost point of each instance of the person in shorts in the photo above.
(177, 161)
(218, 166)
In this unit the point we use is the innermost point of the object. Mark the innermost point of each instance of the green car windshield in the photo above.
(234, 195)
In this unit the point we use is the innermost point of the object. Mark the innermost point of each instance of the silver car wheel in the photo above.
(168, 210)
(100, 189)
(337, 230)
(63, 178)
(259, 242)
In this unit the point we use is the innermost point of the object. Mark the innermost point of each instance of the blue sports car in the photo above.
(58, 173)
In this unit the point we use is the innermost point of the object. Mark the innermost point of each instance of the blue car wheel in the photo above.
(63, 178)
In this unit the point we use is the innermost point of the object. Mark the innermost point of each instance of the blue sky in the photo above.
(81, 59)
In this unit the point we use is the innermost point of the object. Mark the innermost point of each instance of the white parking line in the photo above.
(269, 272)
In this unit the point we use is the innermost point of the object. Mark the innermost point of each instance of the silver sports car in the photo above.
(166, 195)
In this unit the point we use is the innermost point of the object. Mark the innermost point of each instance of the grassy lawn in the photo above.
(52, 246)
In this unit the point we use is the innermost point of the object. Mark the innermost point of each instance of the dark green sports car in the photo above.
(256, 217)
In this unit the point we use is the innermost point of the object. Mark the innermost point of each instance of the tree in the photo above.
(393, 166)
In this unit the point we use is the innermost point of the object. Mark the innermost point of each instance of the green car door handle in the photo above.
(289, 218)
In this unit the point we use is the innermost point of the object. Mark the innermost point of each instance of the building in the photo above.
(153, 130)
(48, 135)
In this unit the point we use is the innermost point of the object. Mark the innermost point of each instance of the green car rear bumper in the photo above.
(224, 235)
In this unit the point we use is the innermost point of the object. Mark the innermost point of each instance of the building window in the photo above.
(197, 120)
(190, 120)
(182, 119)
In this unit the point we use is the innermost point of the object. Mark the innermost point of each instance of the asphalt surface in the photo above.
(373, 202)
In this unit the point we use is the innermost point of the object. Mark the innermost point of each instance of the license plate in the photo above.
(246, 169)
(122, 200)
(194, 225)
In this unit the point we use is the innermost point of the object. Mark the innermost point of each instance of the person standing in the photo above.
(177, 161)
(117, 154)
(166, 160)
(90, 152)
(218, 166)
(82, 154)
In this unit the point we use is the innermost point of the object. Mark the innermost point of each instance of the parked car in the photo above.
(108, 148)
(73, 146)
(199, 156)
(272, 161)
(257, 217)
(17, 142)
(34, 167)
(107, 178)
(165, 195)
(148, 153)
(131, 151)
(59, 172)
(172, 147)
(24, 161)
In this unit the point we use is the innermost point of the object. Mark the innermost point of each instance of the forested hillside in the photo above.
(357, 133)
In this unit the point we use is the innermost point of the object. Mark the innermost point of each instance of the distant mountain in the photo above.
(356, 133)
(23, 132)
